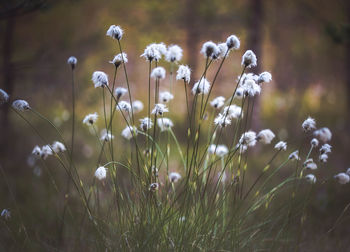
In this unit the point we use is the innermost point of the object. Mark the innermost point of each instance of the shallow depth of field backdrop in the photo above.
(304, 44)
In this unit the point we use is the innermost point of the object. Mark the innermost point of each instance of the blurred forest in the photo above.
(305, 44)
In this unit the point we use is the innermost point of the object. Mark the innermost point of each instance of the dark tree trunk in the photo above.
(254, 42)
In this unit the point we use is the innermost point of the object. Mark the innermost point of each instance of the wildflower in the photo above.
(248, 138)
(265, 136)
(165, 96)
(310, 178)
(324, 134)
(119, 58)
(342, 178)
(100, 79)
(161, 47)
(101, 173)
(294, 156)
(309, 164)
(264, 77)
(251, 88)
(152, 53)
(137, 106)
(158, 73)
(20, 105)
(146, 123)
(128, 132)
(174, 177)
(232, 42)
(249, 59)
(210, 50)
(233, 111)
(247, 76)
(124, 106)
(45, 151)
(6, 214)
(281, 146)
(105, 136)
(218, 102)
(115, 31)
(326, 148)
(164, 123)
(309, 124)
(314, 142)
(201, 87)
(222, 120)
(4, 97)
(36, 151)
(159, 109)
(120, 91)
(221, 150)
(174, 53)
(223, 50)
(58, 147)
(323, 158)
(183, 73)
(72, 61)
(90, 119)
(241, 148)
(154, 187)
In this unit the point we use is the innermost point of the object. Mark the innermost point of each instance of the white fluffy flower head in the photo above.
(152, 53)
(210, 50)
(20, 105)
(342, 178)
(201, 87)
(281, 146)
(265, 136)
(58, 147)
(146, 123)
(4, 97)
(46, 151)
(106, 136)
(223, 49)
(249, 59)
(160, 109)
(124, 106)
(264, 77)
(164, 123)
(137, 106)
(174, 53)
(115, 31)
(165, 96)
(128, 132)
(184, 73)
(294, 156)
(233, 111)
(248, 138)
(324, 134)
(310, 178)
(119, 58)
(218, 102)
(174, 177)
(309, 124)
(222, 120)
(72, 61)
(158, 73)
(120, 91)
(90, 119)
(251, 88)
(101, 173)
(314, 142)
(36, 151)
(233, 42)
(100, 79)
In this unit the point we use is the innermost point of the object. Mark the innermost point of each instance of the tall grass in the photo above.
(210, 204)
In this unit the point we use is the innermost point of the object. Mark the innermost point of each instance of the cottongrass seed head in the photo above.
(314, 142)
(173, 54)
(210, 50)
(120, 92)
(251, 88)
(233, 111)
(101, 173)
(158, 73)
(281, 146)
(4, 97)
(165, 96)
(128, 132)
(326, 148)
(137, 106)
(248, 138)
(6, 214)
(124, 106)
(310, 178)
(201, 87)
(36, 151)
(164, 123)
(119, 58)
(58, 147)
(72, 61)
(154, 187)
(115, 31)
(265, 136)
(152, 53)
(323, 158)
(218, 102)
(342, 178)
(100, 79)
(222, 120)
(20, 105)
(106, 136)
(160, 109)
(183, 73)
(324, 134)
(249, 59)
(46, 151)
(146, 123)
(294, 156)
(174, 177)
(90, 119)
(233, 42)
(264, 77)
(309, 124)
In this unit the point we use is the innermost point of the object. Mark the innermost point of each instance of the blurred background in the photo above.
(305, 44)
